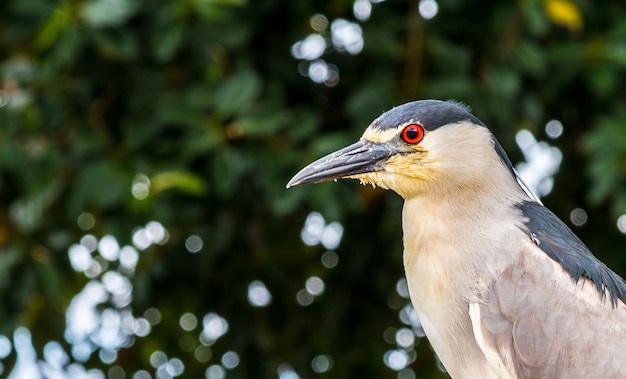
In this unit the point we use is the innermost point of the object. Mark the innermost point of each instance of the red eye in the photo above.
(412, 134)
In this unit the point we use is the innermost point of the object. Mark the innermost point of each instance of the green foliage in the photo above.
(193, 113)
(608, 160)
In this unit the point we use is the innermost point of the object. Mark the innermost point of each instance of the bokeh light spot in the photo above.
(389, 335)
(313, 229)
(140, 190)
(554, 129)
(318, 71)
(258, 294)
(86, 221)
(80, 258)
(96, 267)
(153, 316)
(81, 351)
(312, 47)
(116, 284)
(174, 367)
(128, 257)
(304, 298)
(193, 244)
(141, 327)
(621, 223)
(202, 353)
(5, 346)
(156, 232)
(188, 321)
(405, 337)
(322, 363)
(315, 286)
(141, 187)
(331, 237)
(142, 374)
(396, 359)
(316, 231)
(347, 36)
(215, 372)
(214, 327)
(428, 9)
(141, 239)
(285, 371)
(107, 356)
(330, 259)
(402, 288)
(230, 360)
(90, 242)
(362, 9)
(319, 22)
(5, 97)
(578, 217)
(542, 162)
(409, 317)
(54, 354)
(116, 372)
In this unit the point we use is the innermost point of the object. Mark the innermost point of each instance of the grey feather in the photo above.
(431, 114)
(543, 334)
(561, 244)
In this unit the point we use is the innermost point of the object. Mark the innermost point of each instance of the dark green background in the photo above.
(205, 99)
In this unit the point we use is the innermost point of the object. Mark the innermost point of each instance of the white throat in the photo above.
(441, 260)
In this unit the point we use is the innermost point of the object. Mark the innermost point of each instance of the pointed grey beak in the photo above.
(358, 158)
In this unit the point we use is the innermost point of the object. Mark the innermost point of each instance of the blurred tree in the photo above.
(146, 145)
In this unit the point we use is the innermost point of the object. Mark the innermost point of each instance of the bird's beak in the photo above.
(358, 158)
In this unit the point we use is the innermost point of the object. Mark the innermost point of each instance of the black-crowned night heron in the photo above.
(503, 288)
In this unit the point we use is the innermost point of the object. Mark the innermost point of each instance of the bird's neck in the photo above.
(445, 233)
(446, 252)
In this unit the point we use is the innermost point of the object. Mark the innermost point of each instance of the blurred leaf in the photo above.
(449, 55)
(100, 184)
(179, 180)
(9, 258)
(368, 102)
(531, 58)
(602, 80)
(66, 47)
(31, 8)
(264, 125)
(215, 9)
(116, 43)
(564, 12)
(615, 52)
(503, 81)
(173, 112)
(227, 168)
(107, 13)
(28, 212)
(303, 123)
(606, 144)
(54, 26)
(535, 16)
(202, 141)
(168, 42)
(237, 93)
(220, 2)
(451, 86)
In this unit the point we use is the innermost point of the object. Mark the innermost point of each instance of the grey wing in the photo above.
(534, 321)
(555, 239)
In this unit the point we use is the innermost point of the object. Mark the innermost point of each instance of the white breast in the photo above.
(447, 259)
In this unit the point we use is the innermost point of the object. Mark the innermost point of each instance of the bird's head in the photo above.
(420, 147)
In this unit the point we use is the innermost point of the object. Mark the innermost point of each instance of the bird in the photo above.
(503, 288)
